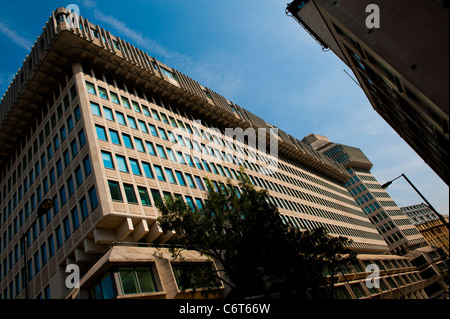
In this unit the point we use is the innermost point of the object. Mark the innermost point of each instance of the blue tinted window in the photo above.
(95, 109)
(107, 160)
(101, 133)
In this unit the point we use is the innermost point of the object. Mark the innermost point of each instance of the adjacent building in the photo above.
(429, 224)
(390, 221)
(401, 65)
(101, 131)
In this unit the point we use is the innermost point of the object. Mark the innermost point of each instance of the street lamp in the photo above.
(386, 185)
(43, 208)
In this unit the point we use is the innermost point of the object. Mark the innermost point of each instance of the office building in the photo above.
(390, 221)
(429, 224)
(401, 65)
(104, 131)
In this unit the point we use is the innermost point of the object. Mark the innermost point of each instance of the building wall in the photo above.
(430, 226)
(391, 63)
(398, 231)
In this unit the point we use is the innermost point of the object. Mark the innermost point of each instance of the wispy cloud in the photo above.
(15, 37)
(204, 72)
(140, 40)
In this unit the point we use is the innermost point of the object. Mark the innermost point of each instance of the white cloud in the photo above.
(15, 37)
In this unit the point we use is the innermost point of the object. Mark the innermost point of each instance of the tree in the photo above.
(243, 231)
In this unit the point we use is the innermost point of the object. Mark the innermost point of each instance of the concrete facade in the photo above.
(398, 231)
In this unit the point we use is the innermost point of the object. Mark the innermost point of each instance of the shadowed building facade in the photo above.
(402, 66)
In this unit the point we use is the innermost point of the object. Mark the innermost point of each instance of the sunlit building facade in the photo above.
(390, 221)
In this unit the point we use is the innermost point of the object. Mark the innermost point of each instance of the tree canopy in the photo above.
(241, 230)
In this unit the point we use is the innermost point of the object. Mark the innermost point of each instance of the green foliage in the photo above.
(258, 252)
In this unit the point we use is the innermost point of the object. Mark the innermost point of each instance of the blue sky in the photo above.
(254, 55)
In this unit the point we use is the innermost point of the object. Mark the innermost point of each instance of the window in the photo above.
(150, 148)
(59, 241)
(81, 138)
(62, 195)
(107, 160)
(181, 158)
(199, 183)
(102, 92)
(63, 133)
(66, 225)
(170, 176)
(69, 122)
(171, 155)
(66, 157)
(109, 115)
(147, 170)
(153, 130)
(96, 109)
(168, 74)
(90, 87)
(74, 148)
(161, 151)
(180, 178)
(93, 200)
(156, 196)
(164, 118)
(199, 203)
(162, 133)
(155, 115)
(190, 202)
(51, 246)
(136, 280)
(135, 167)
(87, 166)
(143, 194)
(125, 102)
(56, 142)
(132, 122)
(114, 97)
(139, 145)
(37, 265)
(94, 33)
(127, 140)
(190, 181)
(159, 173)
(122, 164)
(114, 137)
(142, 126)
(121, 118)
(84, 208)
(105, 288)
(70, 186)
(75, 219)
(136, 106)
(130, 194)
(114, 189)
